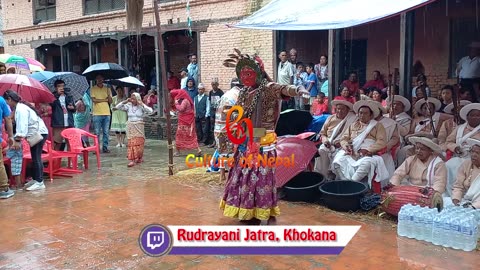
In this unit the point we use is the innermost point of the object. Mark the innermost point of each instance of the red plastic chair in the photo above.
(27, 157)
(74, 139)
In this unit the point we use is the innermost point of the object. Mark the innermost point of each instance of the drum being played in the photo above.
(394, 198)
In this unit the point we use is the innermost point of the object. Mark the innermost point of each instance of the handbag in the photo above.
(36, 137)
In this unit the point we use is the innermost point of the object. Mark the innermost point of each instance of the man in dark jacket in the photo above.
(62, 114)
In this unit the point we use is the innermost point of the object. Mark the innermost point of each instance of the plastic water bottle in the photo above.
(431, 213)
(422, 215)
(469, 231)
(437, 229)
(402, 217)
(407, 220)
(456, 232)
(411, 222)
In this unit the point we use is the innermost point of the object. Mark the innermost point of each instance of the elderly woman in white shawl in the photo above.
(457, 140)
(466, 189)
(393, 139)
(136, 110)
(358, 160)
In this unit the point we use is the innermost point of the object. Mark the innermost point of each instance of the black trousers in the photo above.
(36, 152)
(202, 126)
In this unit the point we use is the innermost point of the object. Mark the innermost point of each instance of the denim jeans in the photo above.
(36, 152)
(102, 122)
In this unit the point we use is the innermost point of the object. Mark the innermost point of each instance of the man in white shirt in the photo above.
(285, 76)
(193, 68)
(184, 76)
(468, 69)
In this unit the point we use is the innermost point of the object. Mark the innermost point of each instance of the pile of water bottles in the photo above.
(454, 227)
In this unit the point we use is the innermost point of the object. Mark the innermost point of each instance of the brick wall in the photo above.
(156, 128)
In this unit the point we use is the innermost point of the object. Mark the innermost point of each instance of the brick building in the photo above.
(70, 35)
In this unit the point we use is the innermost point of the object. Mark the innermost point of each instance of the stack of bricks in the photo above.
(156, 127)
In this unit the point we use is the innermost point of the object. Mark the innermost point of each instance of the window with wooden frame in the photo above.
(100, 6)
(45, 10)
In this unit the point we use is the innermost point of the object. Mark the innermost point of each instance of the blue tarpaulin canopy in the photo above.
(325, 14)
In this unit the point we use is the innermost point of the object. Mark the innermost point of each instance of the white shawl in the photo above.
(426, 121)
(473, 192)
(431, 170)
(358, 141)
(460, 138)
(346, 122)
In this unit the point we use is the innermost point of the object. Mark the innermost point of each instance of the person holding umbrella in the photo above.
(29, 126)
(101, 97)
(62, 114)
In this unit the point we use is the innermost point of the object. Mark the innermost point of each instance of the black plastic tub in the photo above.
(303, 187)
(343, 196)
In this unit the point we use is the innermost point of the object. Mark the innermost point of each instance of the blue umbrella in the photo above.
(75, 85)
(42, 75)
(109, 71)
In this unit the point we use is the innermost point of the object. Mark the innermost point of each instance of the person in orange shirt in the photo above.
(319, 106)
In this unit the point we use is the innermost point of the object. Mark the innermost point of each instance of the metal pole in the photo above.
(157, 71)
(166, 94)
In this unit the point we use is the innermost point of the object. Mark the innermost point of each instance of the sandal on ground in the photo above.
(176, 154)
(139, 160)
(131, 164)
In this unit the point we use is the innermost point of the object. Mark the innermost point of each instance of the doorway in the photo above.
(353, 54)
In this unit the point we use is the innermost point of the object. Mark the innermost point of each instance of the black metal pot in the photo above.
(303, 187)
(343, 196)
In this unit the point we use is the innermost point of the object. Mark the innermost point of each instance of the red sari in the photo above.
(186, 136)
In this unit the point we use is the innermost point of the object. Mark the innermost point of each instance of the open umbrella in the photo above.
(293, 122)
(35, 65)
(28, 88)
(15, 61)
(75, 85)
(109, 71)
(302, 150)
(42, 75)
(127, 82)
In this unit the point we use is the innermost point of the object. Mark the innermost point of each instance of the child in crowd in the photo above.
(319, 105)
(300, 78)
(446, 96)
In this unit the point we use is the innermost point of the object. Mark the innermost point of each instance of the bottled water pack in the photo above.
(455, 227)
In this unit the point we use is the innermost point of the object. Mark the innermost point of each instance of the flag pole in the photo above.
(166, 93)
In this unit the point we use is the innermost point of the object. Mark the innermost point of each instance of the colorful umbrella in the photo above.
(35, 65)
(33, 68)
(16, 61)
(109, 71)
(127, 82)
(42, 75)
(302, 150)
(29, 89)
(75, 85)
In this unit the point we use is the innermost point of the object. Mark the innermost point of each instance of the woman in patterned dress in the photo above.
(250, 192)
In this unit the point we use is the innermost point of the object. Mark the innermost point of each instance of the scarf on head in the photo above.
(180, 94)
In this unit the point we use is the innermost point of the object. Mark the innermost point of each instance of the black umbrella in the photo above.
(109, 71)
(293, 122)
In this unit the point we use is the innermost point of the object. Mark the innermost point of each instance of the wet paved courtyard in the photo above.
(92, 221)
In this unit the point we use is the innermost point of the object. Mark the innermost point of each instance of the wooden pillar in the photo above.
(407, 33)
(90, 56)
(331, 60)
(339, 63)
(62, 60)
(119, 49)
(157, 69)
